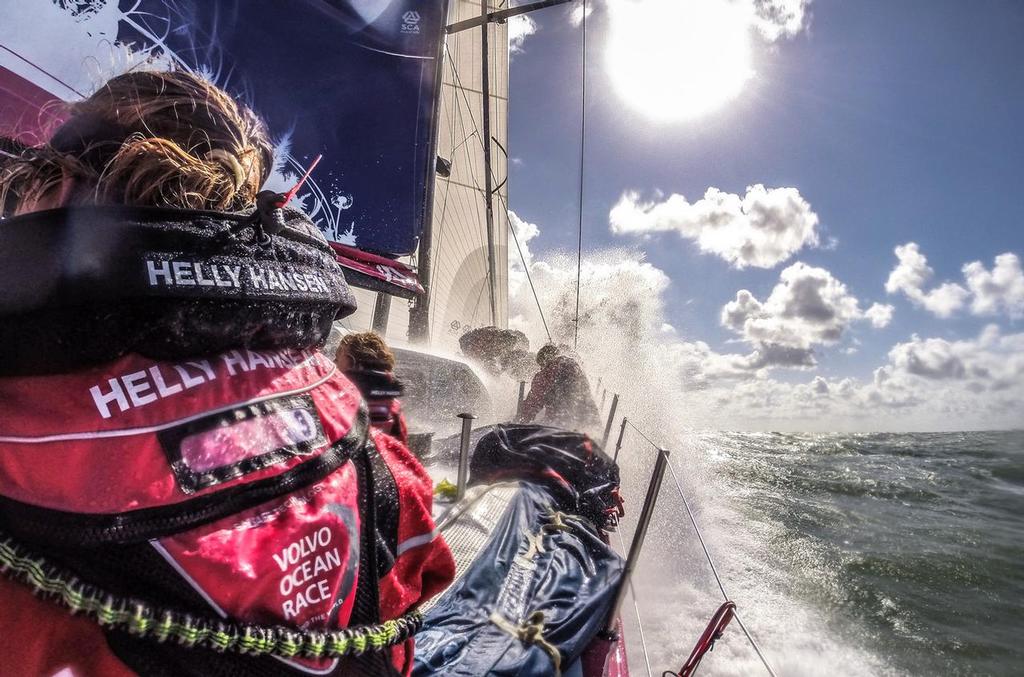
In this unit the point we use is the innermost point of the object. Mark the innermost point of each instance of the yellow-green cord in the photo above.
(145, 620)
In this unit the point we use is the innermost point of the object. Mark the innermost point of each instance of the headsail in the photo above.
(460, 279)
(457, 295)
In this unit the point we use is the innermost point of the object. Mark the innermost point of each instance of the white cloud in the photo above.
(926, 384)
(910, 276)
(762, 228)
(524, 232)
(879, 315)
(576, 16)
(932, 358)
(520, 27)
(923, 384)
(808, 307)
(776, 19)
(998, 290)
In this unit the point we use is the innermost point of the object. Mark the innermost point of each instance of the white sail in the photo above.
(458, 289)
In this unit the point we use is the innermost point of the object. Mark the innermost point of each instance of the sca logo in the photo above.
(411, 22)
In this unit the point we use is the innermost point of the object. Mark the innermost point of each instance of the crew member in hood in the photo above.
(241, 487)
(560, 394)
(370, 364)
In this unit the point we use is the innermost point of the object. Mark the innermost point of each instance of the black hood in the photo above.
(85, 285)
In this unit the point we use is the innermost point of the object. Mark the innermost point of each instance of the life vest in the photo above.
(243, 489)
(381, 390)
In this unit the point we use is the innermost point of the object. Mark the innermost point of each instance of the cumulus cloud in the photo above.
(525, 232)
(808, 307)
(879, 315)
(576, 16)
(1000, 290)
(933, 358)
(989, 292)
(761, 229)
(924, 383)
(910, 276)
(776, 19)
(520, 27)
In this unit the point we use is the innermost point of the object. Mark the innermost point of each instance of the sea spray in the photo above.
(623, 339)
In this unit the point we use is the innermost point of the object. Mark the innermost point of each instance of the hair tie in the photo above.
(231, 162)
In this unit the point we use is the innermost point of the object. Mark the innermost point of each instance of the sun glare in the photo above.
(678, 59)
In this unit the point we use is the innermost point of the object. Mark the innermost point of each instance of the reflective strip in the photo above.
(66, 437)
(415, 542)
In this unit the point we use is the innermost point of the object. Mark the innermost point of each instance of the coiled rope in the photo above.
(142, 619)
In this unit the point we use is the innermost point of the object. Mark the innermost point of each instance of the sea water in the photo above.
(847, 554)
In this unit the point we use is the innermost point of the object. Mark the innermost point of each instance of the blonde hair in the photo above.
(164, 139)
(366, 350)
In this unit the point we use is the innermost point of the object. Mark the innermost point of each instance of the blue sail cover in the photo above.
(355, 80)
(537, 560)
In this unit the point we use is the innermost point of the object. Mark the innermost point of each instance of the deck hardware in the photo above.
(467, 427)
(638, 538)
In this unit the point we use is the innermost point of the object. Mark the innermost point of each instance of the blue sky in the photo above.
(895, 122)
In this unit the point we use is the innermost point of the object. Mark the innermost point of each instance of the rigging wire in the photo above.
(707, 555)
(714, 570)
(636, 609)
(522, 257)
(469, 162)
(583, 147)
(526, 267)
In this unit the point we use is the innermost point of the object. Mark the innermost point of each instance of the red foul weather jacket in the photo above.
(246, 486)
(560, 395)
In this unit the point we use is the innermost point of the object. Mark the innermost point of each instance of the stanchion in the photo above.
(611, 417)
(519, 402)
(618, 442)
(467, 427)
(638, 538)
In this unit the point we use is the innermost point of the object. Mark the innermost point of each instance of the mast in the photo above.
(492, 268)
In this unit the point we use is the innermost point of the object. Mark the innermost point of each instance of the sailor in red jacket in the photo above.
(180, 467)
(560, 394)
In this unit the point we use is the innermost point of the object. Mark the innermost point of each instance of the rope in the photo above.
(531, 631)
(504, 205)
(641, 434)
(144, 620)
(583, 147)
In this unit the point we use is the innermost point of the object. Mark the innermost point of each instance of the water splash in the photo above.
(625, 340)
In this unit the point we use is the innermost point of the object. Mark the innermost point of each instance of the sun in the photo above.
(678, 59)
